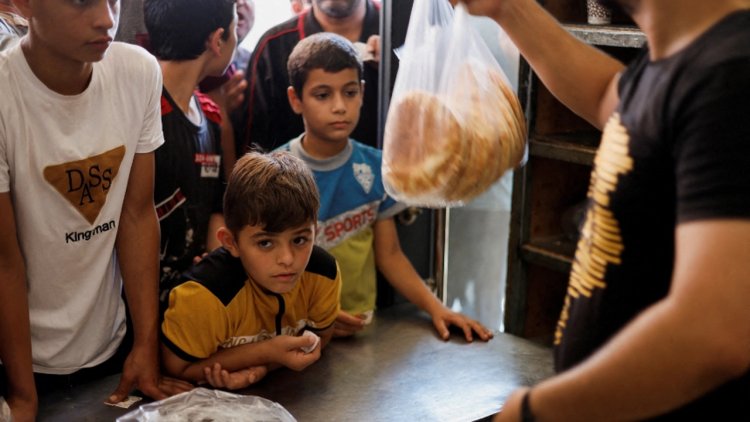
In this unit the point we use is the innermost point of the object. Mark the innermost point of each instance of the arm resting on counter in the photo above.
(138, 256)
(397, 269)
(14, 319)
(278, 351)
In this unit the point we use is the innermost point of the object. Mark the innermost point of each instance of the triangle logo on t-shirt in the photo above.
(363, 174)
(85, 183)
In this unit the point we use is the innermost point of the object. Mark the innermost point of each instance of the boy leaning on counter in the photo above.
(240, 311)
(79, 121)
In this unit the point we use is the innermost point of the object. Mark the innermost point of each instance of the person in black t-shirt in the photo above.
(192, 40)
(656, 322)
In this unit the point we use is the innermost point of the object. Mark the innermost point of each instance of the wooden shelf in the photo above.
(549, 191)
(572, 148)
(608, 35)
(555, 253)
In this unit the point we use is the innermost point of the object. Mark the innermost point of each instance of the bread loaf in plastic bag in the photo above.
(454, 125)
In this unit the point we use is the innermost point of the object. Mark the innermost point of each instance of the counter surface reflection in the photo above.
(397, 369)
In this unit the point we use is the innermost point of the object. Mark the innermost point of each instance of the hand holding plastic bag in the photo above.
(454, 125)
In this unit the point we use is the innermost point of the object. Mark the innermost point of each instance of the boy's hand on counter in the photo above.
(171, 386)
(443, 318)
(288, 351)
(347, 324)
(221, 378)
(141, 371)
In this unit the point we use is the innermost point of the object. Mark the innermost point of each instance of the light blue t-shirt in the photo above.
(352, 199)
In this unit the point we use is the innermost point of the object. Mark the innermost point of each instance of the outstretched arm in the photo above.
(138, 257)
(579, 75)
(695, 339)
(14, 319)
(398, 270)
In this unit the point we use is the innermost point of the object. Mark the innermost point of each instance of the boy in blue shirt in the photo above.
(355, 221)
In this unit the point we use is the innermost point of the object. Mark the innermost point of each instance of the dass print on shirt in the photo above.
(85, 183)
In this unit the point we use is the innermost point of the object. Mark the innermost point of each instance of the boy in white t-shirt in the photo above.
(79, 122)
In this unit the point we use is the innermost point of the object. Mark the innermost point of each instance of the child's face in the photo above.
(74, 30)
(330, 104)
(274, 260)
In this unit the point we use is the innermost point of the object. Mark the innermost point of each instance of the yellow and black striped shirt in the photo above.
(217, 306)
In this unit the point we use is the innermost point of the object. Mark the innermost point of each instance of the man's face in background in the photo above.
(337, 8)
(245, 17)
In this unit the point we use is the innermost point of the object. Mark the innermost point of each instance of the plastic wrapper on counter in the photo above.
(205, 405)
(454, 125)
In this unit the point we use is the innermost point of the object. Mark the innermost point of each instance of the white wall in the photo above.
(268, 13)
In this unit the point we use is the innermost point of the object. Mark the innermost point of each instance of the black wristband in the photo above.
(526, 415)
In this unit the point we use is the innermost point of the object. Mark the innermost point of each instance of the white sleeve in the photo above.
(151, 133)
(4, 164)
(4, 161)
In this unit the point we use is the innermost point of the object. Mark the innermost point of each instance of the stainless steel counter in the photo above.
(396, 370)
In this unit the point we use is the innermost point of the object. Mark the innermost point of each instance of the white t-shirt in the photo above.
(66, 162)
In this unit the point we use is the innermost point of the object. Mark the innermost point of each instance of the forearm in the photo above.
(397, 269)
(15, 346)
(689, 343)
(579, 75)
(15, 331)
(399, 272)
(138, 256)
(232, 359)
(659, 362)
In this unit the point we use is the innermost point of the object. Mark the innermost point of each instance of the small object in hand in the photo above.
(309, 349)
(364, 52)
(129, 401)
(367, 316)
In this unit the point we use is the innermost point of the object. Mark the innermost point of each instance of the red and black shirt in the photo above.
(189, 183)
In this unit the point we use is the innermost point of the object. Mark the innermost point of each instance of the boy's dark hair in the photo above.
(276, 191)
(324, 50)
(178, 29)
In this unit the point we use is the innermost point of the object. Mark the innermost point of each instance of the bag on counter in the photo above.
(454, 125)
(202, 404)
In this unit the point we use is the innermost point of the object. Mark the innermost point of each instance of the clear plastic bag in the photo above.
(202, 404)
(454, 125)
